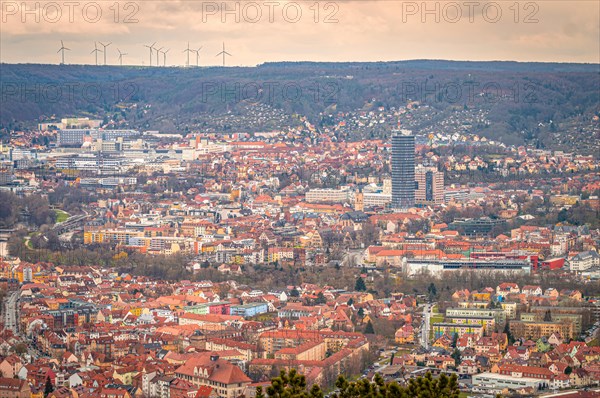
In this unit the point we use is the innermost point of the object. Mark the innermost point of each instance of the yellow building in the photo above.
(510, 309)
(310, 351)
(90, 237)
(488, 322)
(137, 311)
(125, 375)
(564, 200)
(535, 330)
(481, 297)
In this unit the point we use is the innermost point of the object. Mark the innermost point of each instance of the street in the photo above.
(353, 258)
(11, 312)
(425, 326)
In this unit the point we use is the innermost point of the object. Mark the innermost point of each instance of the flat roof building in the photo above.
(403, 170)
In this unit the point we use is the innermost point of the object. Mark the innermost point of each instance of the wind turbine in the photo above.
(224, 53)
(158, 50)
(197, 55)
(121, 56)
(105, 45)
(62, 49)
(164, 53)
(188, 51)
(95, 50)
(150, 47)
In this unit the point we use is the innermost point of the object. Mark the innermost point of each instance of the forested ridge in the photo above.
(524, 102)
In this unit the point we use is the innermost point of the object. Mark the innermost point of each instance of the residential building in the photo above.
(207, 369)
(584, 261)
(14, 388)
(442, 328)
(328, 195)
(498, 314)
(249, 310)
(535, 329)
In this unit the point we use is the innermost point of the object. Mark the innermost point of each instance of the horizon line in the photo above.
(314, 62)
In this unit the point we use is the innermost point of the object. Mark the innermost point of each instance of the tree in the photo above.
(432, 290)
(292, 384)
(350, 301)
(21, 348)
(456, 356)
(315, 392)
(369, 234)
(562, 215)
(294, 293)
(8, 209)
(49, 387)
(37, 207)
(320, 298)
(420, 387)
(568, 370)
(509, 335)
(360, 285)
(442, 387)
(454, 340)
(369, 328)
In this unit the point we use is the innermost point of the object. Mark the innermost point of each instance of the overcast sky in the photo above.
(271, 30)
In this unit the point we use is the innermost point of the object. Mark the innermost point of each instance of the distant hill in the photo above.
(506, 66)
(518, 99)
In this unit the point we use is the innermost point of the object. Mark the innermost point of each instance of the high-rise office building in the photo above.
(403, 170)
(430, 186)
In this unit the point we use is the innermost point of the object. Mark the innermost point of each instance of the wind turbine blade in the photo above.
(228, 54)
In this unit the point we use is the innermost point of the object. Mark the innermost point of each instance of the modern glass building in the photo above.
(403, 170)
(430, 186)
